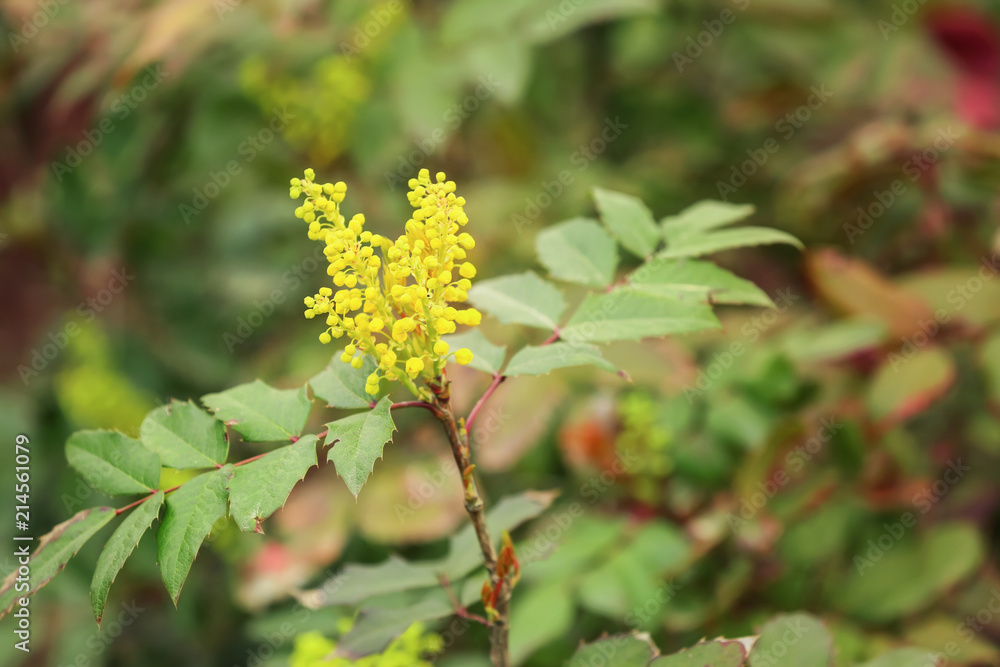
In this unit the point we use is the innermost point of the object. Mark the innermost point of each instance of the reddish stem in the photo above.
(497, 379)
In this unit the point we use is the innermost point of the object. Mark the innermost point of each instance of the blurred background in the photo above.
(837, 455)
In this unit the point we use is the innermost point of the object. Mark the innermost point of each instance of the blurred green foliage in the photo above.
(158, 138)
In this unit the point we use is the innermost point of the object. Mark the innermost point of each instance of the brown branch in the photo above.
(459, 439)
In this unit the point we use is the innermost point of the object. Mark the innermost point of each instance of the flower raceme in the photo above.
(393, 298)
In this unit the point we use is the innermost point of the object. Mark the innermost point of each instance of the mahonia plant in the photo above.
(396, 310)
(398, 305)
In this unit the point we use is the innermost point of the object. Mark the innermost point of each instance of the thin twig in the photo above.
(457, 605)
(497, 380)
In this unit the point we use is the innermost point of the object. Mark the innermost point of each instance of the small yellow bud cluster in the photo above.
(393, 297)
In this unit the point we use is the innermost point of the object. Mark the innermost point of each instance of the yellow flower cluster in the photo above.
(393, 297)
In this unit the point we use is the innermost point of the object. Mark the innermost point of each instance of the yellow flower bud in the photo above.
(414, 366)
(464, 356)
(441, 348)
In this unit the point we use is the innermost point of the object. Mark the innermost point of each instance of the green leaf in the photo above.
(343, 386)
(118, 548)
(520, 299)
(793, 640)
(702, 217)
(53, 552)
(356, 583)
(905, 657)
(550, 19)
(486, 356)
(624, 580)
(885, 584)
(261, 413)
(260, 488)
(706, 244)
(904, 386)
(578, 251)
(185, 436)
(377, 625)
(542, 614)
(540, 360)
(360, 439)
(692, 279)
(628, 220)
(717, 653)
(634, 650)
(508, 514)
(191, 512)
(113, 463)
(624, 314)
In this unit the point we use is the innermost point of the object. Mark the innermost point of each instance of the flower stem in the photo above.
(459, 439)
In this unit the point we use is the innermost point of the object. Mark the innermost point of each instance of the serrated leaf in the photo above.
(343, 386)
(360, 439)
(261, 413)
(520, 299)
(727, 239)
(486, 356)
(634, 650)
(191, 512)
(185, 436)
(260, 488)
(118, 548)
(693, 279)
(793, 640)
(625, 314)
(113, 463)
(54, 550)
(717, 653)
(703, 216)
(540, 360)
(628, 220)
(578, 251)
